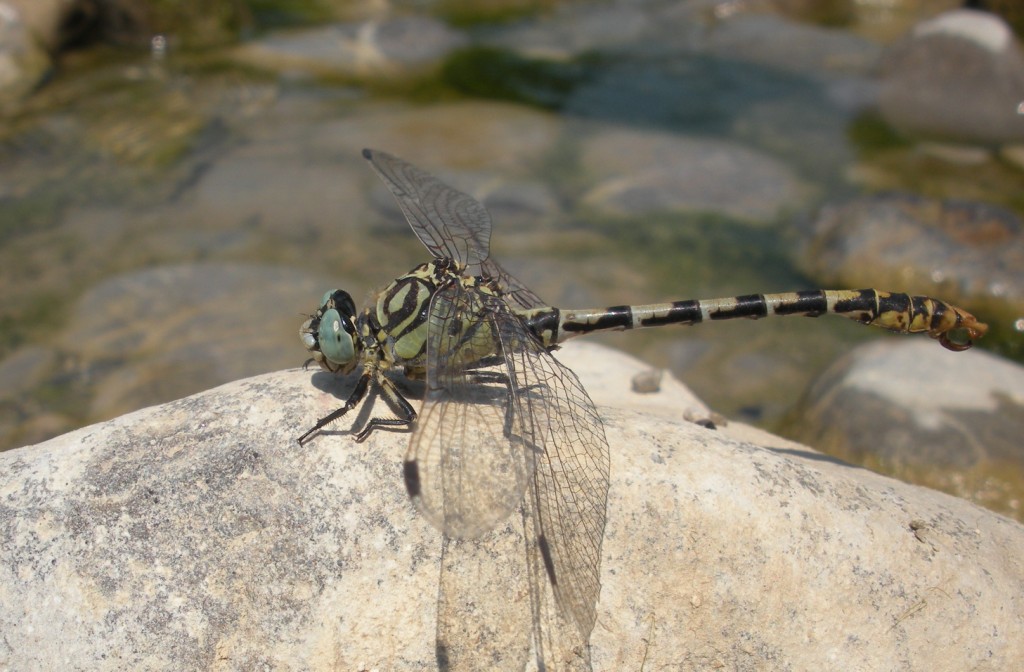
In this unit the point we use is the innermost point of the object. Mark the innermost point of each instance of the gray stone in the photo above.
(573, 29)
(25, 368)
(156, 334)
(957, 76)
(308, 182)
(283, 191)
(643, 172)
(772, 40)
(23, 415)
(198, 535)
(416, 40)
(956, 427)
(464, 135)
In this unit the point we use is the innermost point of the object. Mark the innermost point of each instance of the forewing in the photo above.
(466, 470)
(562, 431)
(451, 224)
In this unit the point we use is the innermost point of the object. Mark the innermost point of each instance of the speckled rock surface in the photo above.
(198, 535)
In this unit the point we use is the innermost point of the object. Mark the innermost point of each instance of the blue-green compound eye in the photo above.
(335, 343)
(327, 295)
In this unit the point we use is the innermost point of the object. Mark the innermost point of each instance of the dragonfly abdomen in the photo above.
(904, 313)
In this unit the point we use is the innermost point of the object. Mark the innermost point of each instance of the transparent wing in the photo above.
(451, 224)
(470, 466)
(502, 417)
(484, 619)
(569, 489)
(560, 642)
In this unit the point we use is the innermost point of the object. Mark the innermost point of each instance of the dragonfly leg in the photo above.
(499, 378)
(493, 377)
(397, 403)
(353, 400)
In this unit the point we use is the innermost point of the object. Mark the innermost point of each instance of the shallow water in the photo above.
(166, 224)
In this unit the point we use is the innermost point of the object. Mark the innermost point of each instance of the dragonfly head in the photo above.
(330, 333)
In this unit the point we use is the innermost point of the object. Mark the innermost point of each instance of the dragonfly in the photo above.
(503, 425)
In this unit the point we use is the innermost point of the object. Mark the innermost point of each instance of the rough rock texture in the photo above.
(198, 535)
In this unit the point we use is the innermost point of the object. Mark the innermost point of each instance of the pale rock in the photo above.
(24, 62)
(199, 535)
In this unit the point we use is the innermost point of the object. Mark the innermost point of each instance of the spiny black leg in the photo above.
(397, 402)
(353, 400)
(487, 362)
(380, 423)
(498, 378)
(492, 377)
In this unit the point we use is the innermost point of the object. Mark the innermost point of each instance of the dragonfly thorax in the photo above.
(330, 333)
(402, 311)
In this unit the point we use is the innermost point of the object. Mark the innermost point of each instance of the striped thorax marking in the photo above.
(401, 311)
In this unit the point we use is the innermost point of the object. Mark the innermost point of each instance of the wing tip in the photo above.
(368, 154)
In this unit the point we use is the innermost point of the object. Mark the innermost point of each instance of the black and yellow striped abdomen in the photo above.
(956, 329)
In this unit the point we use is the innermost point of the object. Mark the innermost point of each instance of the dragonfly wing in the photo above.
(466, 469)
(490, 600)
(484, 618)
(558, 639)
(568, 494)
(451, 224)
(505, 424)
